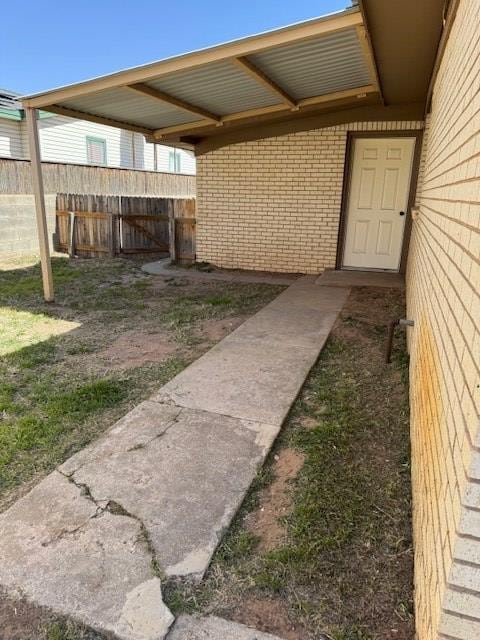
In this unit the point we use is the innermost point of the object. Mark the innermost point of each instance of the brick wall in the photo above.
(274, 204)
(443, 288)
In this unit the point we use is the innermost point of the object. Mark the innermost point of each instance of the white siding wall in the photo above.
(64, 140)
(10, 138)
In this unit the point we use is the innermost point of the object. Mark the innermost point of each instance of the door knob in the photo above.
(402, 213)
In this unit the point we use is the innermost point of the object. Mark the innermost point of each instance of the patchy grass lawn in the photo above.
(113, 336)
(68, 370)
(322, 547)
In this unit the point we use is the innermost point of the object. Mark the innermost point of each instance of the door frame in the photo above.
(347, 175)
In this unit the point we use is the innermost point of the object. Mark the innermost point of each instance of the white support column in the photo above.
(40, 210)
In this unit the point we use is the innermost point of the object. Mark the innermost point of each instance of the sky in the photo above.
(48, 44)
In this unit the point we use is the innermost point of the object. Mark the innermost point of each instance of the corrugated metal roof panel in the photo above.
(313, 67)
(317, 66)
(219, 87)
(145, 68)
(125, 106)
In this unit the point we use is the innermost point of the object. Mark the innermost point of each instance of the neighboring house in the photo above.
(81, 157)
(68, 140)
(351, 142)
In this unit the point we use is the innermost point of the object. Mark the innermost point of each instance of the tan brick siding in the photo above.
(443, 288)
(274, 204)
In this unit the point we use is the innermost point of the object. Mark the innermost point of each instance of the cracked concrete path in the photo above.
(64, 552)
(183, 478)
(153, 496)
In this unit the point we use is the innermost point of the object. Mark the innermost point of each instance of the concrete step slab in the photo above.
(352, 278)
(212, 628)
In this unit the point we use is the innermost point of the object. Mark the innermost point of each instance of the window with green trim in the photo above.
(96, 150)
(174, 161)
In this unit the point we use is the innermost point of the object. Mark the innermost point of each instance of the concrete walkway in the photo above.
(165, 269)
(153, 496)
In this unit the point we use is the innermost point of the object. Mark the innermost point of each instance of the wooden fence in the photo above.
(182, 232)
(88, 225)
(16, 178)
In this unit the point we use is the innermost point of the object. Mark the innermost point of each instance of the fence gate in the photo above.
(88, 225)
(143, 225)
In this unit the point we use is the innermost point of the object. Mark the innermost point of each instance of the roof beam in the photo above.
(364, 111)
(244, 47)
(156, 94)
(356, 92)
(368, 56)
(90, 117)
(257, 74)
(252, 114)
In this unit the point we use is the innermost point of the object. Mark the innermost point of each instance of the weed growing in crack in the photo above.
(118, 510)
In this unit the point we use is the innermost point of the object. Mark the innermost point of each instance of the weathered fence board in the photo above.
(89, 225)
(184, 240)
(16, 178)
(85, 233)
(144, 233)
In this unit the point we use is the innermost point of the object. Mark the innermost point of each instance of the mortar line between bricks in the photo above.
(458, 614)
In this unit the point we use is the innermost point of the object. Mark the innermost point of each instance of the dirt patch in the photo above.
(19, 620)
(275, 501)
(135, 348)
(159, 284)
(216, 330)
(372, 305)
(308, 423)
(352, 333)
(269, 615)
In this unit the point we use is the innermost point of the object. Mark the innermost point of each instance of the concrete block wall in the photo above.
(443, 291)
(18, 224)
(274, 204)
(18, 233)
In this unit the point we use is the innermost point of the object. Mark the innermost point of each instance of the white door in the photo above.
(377, 202)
